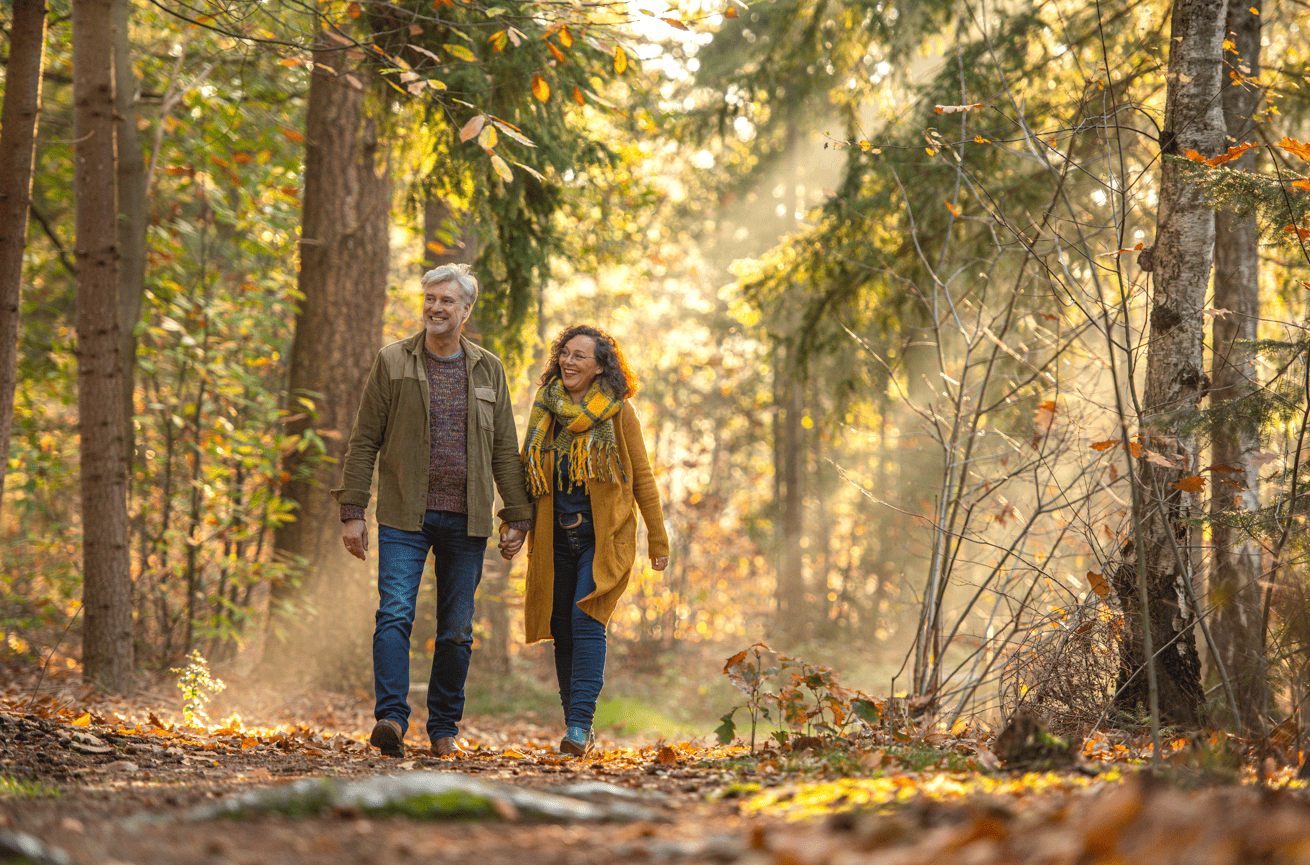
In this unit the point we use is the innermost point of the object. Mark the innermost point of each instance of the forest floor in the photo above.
(85, 779)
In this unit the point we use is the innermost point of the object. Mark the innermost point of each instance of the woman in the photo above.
(586, 466)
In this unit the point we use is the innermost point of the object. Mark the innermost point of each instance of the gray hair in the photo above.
(457, 273)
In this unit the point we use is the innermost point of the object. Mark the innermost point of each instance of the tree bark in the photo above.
(132, 211)
(1234, 588)
(1175, 379)
(789, 469)
(107, 586)
(18, 120)
(343, 279)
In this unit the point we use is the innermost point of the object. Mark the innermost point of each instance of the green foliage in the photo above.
(794, 695)
(18, 788)
(198, 687)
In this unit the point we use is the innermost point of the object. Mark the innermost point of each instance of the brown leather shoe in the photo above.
(446, 746)
(387, 738)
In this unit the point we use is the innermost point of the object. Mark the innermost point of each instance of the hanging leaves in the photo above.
(460, 52)
(565, 36)
(487, 138)
(513, 132)
(1296, 148)
(555, 52)
(501, 168)
(1098, 584)
(540, 88)
(730, 12)
(955, 109)
(1118, 252)
(577, 96)
(1191, 484)
(473, 127)
(620, 60)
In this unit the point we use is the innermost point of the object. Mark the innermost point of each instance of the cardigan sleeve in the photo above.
(644, 489)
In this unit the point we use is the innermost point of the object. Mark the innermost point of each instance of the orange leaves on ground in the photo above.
(540, 88)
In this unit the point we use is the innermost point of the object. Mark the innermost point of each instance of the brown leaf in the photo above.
(1192, 484)
(666, 756)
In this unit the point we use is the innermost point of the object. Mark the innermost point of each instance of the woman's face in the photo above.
(577, 365)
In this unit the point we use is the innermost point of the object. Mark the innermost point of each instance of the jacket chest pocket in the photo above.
(486, 399)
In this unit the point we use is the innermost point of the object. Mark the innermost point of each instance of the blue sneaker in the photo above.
(577, 741)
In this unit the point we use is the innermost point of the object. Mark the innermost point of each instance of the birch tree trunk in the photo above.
(343, 278)
(1175, 380)
(1234, 590)
(18, 119)
(107, 650)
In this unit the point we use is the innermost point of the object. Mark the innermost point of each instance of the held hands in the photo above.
(511, 542)
(354, 534)
(659, 563)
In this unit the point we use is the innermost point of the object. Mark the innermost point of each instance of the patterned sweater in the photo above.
(448, 427)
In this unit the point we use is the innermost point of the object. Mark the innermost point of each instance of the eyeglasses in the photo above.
(576, 358)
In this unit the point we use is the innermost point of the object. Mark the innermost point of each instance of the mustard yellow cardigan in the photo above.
(614, 508)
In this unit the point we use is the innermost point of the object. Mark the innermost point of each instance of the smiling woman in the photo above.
(585, 464)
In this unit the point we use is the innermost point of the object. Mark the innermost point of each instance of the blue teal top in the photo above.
(575, 501)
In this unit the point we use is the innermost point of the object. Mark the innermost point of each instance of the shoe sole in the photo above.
(572, 748)
(386, 740)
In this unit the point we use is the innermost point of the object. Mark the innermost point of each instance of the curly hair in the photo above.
(615, 376)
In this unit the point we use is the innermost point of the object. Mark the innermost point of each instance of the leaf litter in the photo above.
(88, 779)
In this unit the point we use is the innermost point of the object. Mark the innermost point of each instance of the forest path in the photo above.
(85, 780)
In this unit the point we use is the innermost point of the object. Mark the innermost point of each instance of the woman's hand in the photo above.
(659, 563)
(511, 542)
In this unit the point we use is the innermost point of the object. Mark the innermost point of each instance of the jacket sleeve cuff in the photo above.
(351, 497)
(516, 514)
(521, 525)
(352, 512)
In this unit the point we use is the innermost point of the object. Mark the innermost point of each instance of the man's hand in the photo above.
(659, 563)
(354, 534)
(511, 542)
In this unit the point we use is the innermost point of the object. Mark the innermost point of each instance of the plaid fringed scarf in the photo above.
(585, 432)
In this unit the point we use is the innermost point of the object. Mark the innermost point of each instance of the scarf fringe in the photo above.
(593, 455)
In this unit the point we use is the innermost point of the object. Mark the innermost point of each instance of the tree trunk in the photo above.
(1175, 380)
(17, 150)
(343, 278)
(789, 466)
(22, 105)
(1234, 590)
(107, 584)
(131, 214)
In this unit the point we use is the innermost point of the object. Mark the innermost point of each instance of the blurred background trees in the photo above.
(891, 277)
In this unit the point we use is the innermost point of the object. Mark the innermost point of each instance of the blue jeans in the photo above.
(401, 558)
(579, 639)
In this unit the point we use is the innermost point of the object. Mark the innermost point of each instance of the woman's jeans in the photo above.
(579, 639)
(401, 559)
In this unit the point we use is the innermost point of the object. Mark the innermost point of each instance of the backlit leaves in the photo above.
(540, 89)
(620, 60)
(473, 127)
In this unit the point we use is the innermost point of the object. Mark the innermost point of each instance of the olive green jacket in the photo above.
(392, 428)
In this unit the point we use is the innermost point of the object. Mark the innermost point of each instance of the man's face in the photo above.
(444, 309)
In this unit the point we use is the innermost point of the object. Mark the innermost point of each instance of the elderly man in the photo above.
(436, 418)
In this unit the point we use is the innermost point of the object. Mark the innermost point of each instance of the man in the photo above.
(436, 418)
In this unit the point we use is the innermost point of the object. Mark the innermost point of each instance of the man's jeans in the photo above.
(401, 559)
(579, 639)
